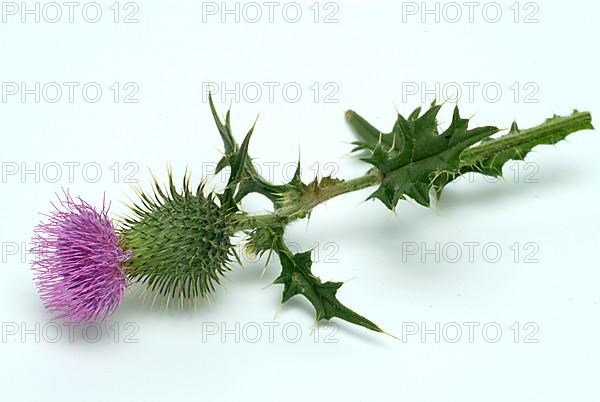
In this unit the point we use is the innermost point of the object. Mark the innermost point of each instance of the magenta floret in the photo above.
(78, 266)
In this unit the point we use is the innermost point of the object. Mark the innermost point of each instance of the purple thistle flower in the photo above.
(78, 266)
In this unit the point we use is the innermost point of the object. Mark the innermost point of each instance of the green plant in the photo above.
(177, 242)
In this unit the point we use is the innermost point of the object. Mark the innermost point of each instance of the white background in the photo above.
(371, 57)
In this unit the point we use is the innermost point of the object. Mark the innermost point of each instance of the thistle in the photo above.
(177, 242)
(79, 266)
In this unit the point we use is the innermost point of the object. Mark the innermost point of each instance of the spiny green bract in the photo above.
(180, 242)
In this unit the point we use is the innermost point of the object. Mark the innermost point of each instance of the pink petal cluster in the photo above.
(79, 263)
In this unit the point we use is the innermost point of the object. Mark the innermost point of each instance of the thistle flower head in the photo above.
(179, 240)
(79, 264)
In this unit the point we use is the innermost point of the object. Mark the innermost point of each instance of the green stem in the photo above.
(304, 206)
(544, 133)
(557, 127)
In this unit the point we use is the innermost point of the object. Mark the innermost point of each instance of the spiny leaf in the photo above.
(489, 158)
(298, 279)
(414, 154)
(226, 135)
(237, 158)
(238, 162)
(244, 179)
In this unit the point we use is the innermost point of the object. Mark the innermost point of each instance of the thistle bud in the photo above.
(179, 242)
